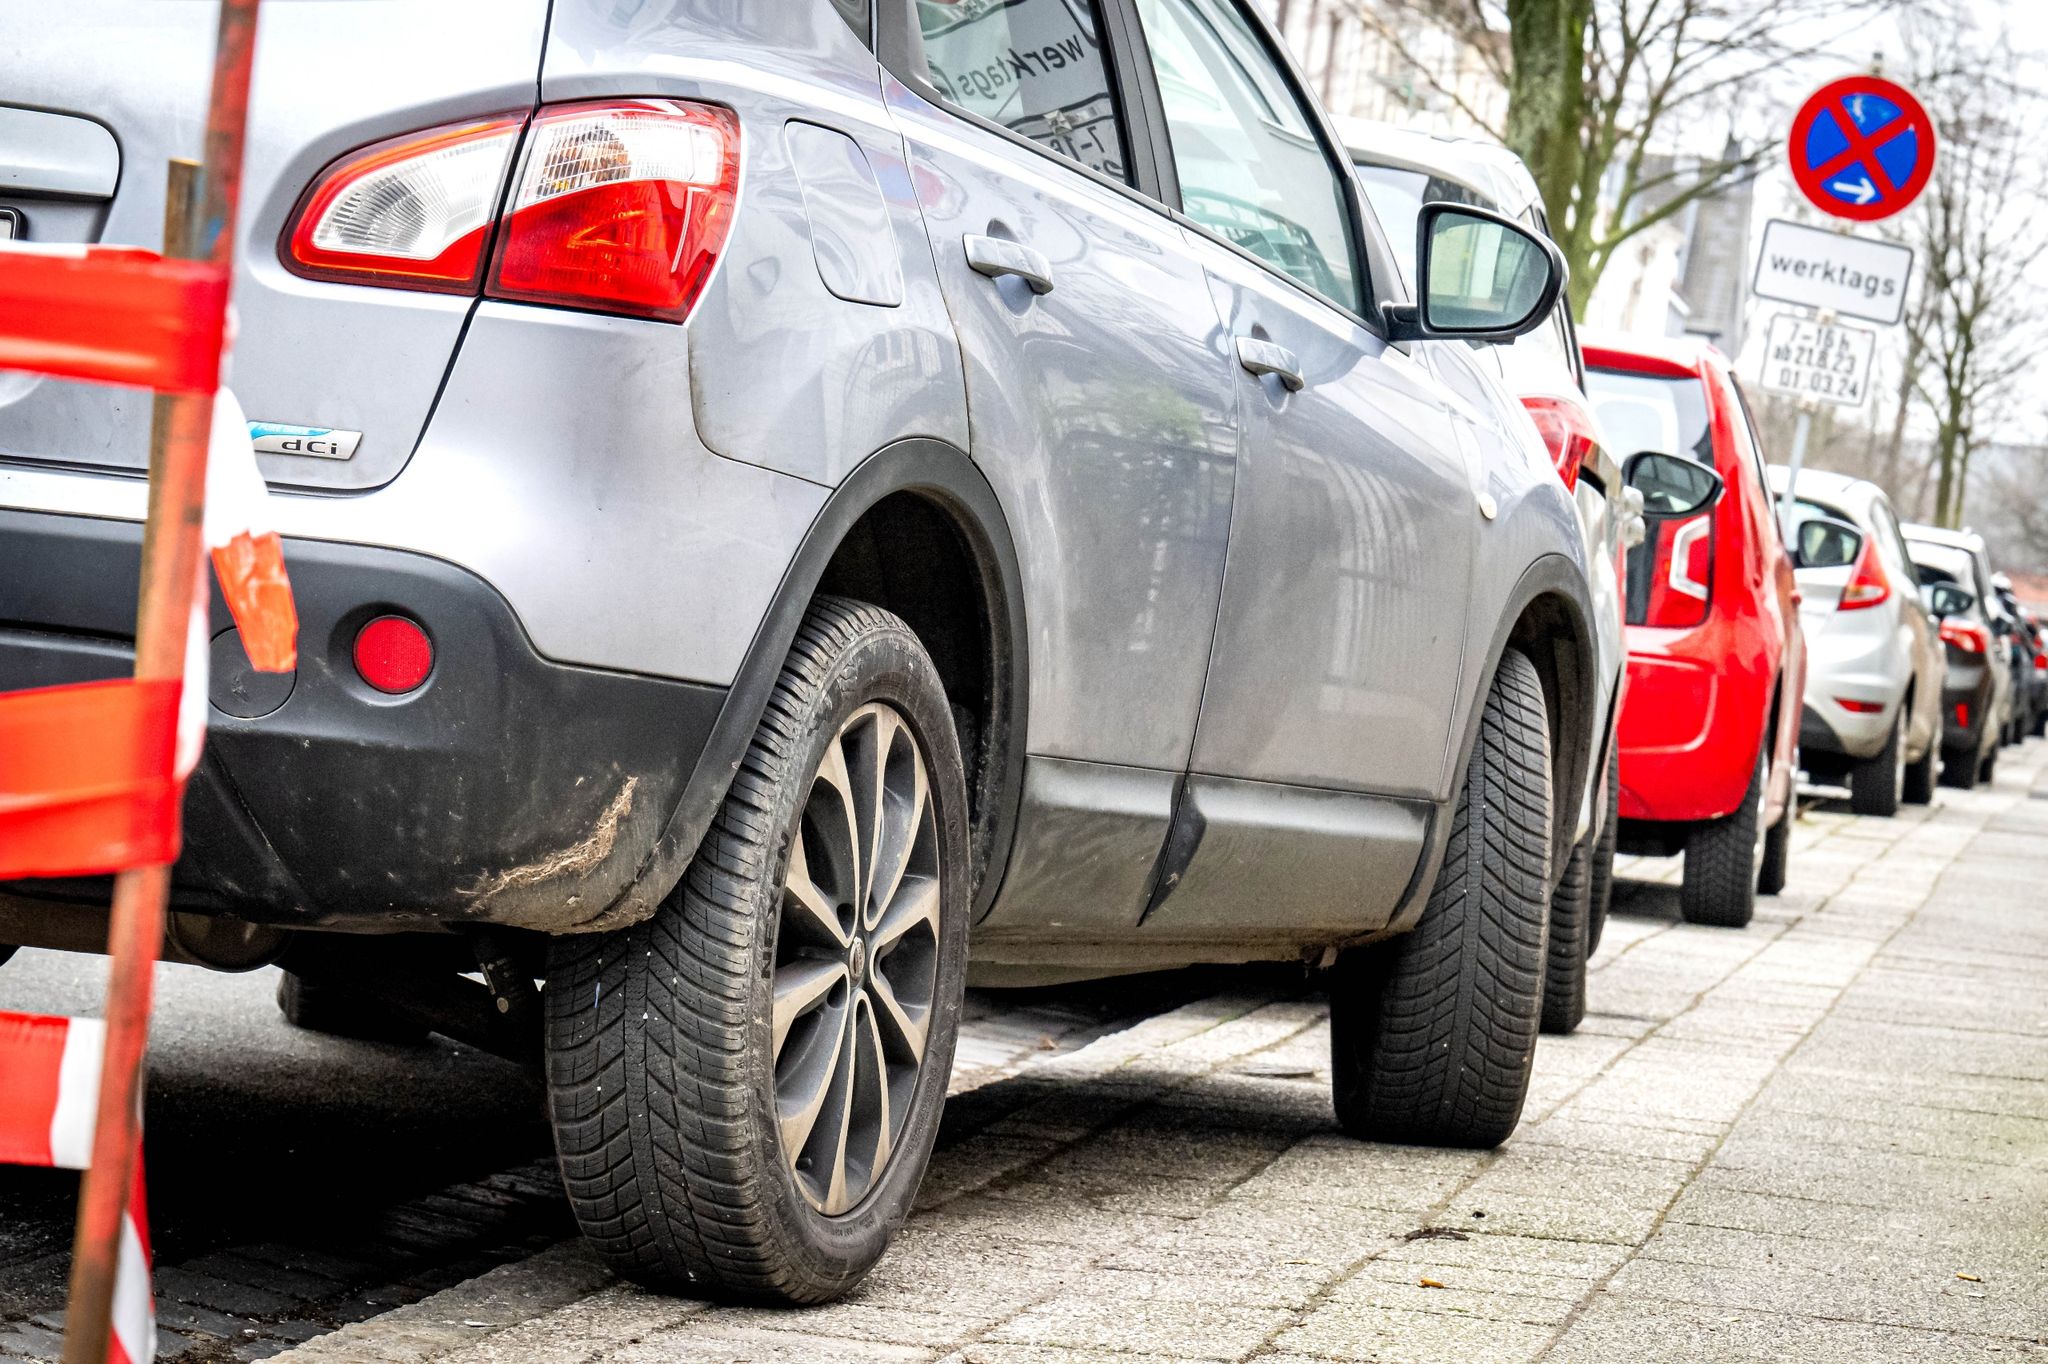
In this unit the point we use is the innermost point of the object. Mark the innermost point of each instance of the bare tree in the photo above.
(1608, 90)
(1974, 330)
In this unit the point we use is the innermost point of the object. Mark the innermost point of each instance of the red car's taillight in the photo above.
(1971, 639)
(1567, 429)
(1674, 566)
(411, 213)
(1867, 584)
(620, 207)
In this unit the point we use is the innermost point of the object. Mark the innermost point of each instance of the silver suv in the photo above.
(791, 504)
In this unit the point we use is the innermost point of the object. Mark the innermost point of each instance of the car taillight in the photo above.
(1856, 707)
(2041, 663)
(1867, 584)
(1971, 639)
(1568, 434)
(1670, 574)
(414, 212)
(620, 207)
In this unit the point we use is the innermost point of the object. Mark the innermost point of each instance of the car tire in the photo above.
(1564, 971)
(336, 1011)
(7, 950)
(1987, 769)
(1959, 768)
(1920, 775)
(1602, 869)
(688, 1053)
(1877, 785)
(1722, 865)
(1432, 1035)
(1777, 858)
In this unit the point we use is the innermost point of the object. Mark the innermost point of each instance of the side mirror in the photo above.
(1824, 542)
(1481, 276)
(2001, 625)
(1671, 486)
(1946, 599)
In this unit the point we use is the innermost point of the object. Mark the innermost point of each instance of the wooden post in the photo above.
(199, 216)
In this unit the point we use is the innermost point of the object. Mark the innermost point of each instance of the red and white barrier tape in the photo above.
(49, 1100)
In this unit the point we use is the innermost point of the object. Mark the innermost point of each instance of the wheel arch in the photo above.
(1546, 615)
(931, 492)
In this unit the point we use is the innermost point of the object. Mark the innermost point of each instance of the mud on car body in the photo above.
(805, 532)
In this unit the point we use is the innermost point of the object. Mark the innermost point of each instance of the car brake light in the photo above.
(2041, 663)
(1962, 714)
(620, 207)
(1859, 707)
(1668, 575)
(1867, 584)
(413, 212)
(1567, 430)
(1971, 639)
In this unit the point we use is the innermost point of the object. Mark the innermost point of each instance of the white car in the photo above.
(1401, 171)
(1874, 658)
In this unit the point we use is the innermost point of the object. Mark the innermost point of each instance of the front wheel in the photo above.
(1571, 913)
(745, 1088)
(1432, 1035)
(1876, 785)
(1722, 860)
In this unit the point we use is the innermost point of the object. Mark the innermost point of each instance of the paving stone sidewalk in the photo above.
(1821, 1138)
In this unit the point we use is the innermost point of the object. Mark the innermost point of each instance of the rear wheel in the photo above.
(745, 1088)
(1433, 1034)
(1564, 972)
(1603, 856)
(1722, 861)
(1777, 858)
(1987, 770)
(1876, 785)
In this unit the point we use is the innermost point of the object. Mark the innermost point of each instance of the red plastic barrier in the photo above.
(113, 315)
(86, 782)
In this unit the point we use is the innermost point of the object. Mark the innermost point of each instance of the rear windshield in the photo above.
(1945, 563)
(1652, 412)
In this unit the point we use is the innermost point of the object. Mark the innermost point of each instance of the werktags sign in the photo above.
(1854, 276)
(1808, 359)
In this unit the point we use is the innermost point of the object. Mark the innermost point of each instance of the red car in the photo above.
(1716, 663)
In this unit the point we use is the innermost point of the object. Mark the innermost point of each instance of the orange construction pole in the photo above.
(170, 576)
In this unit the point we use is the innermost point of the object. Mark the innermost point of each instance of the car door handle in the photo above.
(1263, 357)
(995, 257)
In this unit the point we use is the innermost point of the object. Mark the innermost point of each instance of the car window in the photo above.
(1652, 412)
(1749, 438)
(1251, 168)
(1945, 563)
(1397, 196)
(1037, 67)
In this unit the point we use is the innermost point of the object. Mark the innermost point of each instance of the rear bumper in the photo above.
(506, 789)
(1691, 730)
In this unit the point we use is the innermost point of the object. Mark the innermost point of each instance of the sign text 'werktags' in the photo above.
(1855, 276)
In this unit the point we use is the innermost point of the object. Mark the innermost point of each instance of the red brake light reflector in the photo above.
(1859, 707)
(1567, 430)
(620, 207)
(1867, 585)
(393, 654)
(414, 212)
(1971, 639)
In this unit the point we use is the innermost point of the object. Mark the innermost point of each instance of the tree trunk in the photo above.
(1546, 112)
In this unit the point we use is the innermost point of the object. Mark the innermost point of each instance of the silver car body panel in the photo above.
(1872, 654)
(308, 354)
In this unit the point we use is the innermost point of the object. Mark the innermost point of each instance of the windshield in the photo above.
(1945, 563)
(1652, 412)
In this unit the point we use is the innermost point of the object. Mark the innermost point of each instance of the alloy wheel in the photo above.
(856, 959)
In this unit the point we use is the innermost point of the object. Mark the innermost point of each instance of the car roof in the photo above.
(1627, 350)
(1936, 535)
(1487, 168)
(1825, 483)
